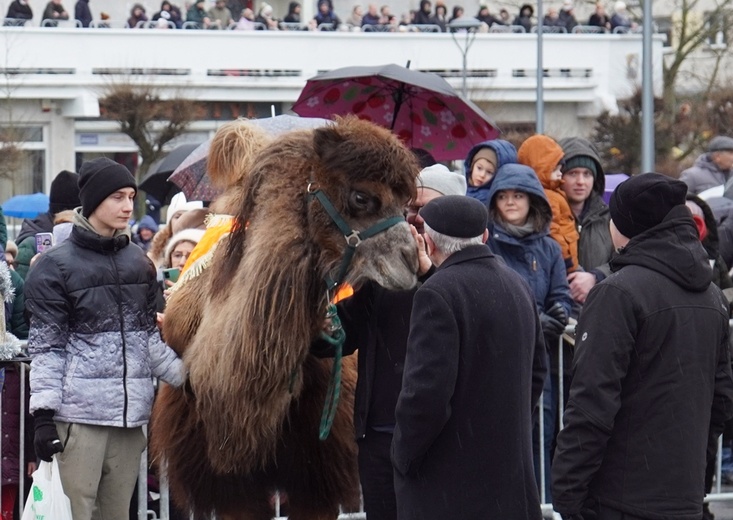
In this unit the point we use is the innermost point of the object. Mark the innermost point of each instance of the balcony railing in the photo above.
(273, 66)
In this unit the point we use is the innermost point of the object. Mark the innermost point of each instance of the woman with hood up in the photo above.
(293, 15)
(169, 12)
(137, 16)
(524, 18)
(457, 13)
(482, 163)
(424, 15)
(519, 233)
(441, 16)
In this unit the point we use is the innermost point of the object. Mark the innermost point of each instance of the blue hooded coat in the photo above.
(505, 152)
(536, 256)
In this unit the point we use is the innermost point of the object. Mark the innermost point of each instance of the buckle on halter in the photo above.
(312, 187)
(353, 239)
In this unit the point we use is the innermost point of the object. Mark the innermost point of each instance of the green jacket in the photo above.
(3, 230)
(18, 325)
(26, 251)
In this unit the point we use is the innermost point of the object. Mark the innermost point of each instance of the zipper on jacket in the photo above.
(122, 332)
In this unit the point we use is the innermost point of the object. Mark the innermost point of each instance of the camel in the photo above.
(247, 421)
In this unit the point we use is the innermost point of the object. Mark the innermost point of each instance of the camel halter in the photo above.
(353, 238)
(338, 336)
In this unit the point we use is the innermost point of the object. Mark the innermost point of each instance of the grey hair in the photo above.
(449, 245)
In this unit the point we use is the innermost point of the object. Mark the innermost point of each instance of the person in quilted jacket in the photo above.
(95, 347)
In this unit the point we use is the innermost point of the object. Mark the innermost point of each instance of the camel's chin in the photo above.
(398, 285)
(393, 279)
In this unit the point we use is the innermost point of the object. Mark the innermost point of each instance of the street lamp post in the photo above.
(647, 92)
(468, 26)
(540, 106)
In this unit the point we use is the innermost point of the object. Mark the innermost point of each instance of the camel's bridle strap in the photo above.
(338, 336)
(353, 238)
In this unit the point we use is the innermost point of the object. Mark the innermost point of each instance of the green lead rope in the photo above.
(333, 393)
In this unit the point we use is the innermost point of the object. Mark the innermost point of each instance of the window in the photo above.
(22, 160)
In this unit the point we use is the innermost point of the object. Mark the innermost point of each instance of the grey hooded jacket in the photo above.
(93, 340)
(703, 175)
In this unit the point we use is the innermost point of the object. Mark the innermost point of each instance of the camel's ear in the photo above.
(327, 141)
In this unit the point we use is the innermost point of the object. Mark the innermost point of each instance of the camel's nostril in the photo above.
(409, 256)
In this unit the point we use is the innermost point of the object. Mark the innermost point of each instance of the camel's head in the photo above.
(369, 177)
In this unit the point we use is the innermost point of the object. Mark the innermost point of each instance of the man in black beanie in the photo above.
(651, 373)
(462, 444)
(95, 348)
(64, 195)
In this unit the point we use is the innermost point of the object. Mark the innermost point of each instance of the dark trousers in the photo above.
(606, 513)
(377, 477)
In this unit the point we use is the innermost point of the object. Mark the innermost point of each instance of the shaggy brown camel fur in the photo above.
(229, 160)
(247, 422)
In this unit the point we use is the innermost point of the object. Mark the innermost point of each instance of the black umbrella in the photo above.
(156, 182)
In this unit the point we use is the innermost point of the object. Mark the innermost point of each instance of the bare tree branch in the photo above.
(150, 120)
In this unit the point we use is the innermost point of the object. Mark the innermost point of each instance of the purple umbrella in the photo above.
(612, 182)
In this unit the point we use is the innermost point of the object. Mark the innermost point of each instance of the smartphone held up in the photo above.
(44, 242)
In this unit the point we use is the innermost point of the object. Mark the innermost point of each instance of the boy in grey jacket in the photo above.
(96, 348)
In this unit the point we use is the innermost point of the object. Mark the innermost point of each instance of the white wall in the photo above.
(70, 95)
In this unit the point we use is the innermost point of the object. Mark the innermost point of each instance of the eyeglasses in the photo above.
(178, 256)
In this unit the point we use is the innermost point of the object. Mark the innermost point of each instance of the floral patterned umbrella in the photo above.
(420, 107)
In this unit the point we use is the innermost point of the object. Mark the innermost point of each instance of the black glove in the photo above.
(46, 440)
(557, 311)
(551, 326)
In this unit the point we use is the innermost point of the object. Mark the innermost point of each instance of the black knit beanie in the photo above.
(64, 192)
(98, 179)
(643, 201)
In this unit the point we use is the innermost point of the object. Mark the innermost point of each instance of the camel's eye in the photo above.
(360, 200)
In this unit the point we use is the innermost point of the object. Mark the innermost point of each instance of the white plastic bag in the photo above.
(47, 500)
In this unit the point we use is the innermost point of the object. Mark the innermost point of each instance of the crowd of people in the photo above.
(447, 371)
(547, 218)
(234, 14)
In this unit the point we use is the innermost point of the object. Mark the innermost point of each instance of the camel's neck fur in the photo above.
(257, 329)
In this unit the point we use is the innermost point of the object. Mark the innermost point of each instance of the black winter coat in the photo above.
(463, 442)
(377, 322)
(19, 11)
(651, 376)
(83, 13)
